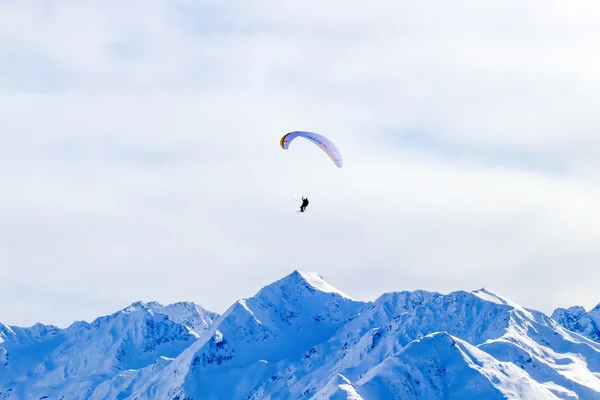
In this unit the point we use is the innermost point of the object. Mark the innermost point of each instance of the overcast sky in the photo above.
(140, 158)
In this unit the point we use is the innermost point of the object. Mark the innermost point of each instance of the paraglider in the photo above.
(325, 144)
(304, 204)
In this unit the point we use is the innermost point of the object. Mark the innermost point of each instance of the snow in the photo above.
(188, 314)
(48, 361)
(317, 281)
(440, 365)
(276, 325)
(300, 337)
(338, 388)
(576, 319)
(490, 296)
(6, 332)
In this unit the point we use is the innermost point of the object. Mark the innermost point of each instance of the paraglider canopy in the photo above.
(325, 144)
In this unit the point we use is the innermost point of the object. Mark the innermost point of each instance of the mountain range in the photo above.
(301, 338)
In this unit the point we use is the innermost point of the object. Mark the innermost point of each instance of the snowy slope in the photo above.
(440, 366)
(301, 338)
(21, 348)
(338, 388)
(70, 363)
(128, 381)
(578, 320)
(187, 314)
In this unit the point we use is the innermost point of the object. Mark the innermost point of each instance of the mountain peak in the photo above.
(297, 298)
(137, 304)
(141, 305)
(576, 319)
(151, 306)
(310, 280)
(488, 295)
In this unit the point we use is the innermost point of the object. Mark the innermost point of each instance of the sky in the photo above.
(140, 158)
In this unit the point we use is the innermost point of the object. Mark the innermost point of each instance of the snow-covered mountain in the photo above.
(300, 338)
(47, 361)
(578, 320)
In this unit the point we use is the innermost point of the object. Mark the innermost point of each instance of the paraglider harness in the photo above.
(304, 204)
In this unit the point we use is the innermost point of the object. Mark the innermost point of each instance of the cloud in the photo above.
(139, 158)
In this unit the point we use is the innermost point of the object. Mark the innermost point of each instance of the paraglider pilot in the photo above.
(304, 204)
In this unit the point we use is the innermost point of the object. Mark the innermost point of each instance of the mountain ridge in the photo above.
(299, 337)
